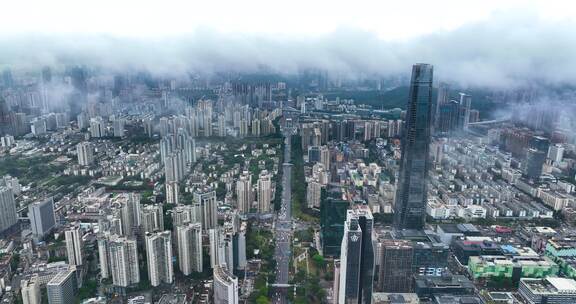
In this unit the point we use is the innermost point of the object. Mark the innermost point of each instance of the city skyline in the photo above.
(304, 152)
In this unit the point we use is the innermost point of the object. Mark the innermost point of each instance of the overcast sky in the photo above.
(477, 42)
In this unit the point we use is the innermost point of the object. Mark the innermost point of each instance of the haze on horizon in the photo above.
(497, 44)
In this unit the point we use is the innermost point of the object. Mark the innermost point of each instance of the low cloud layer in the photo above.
(501, 52)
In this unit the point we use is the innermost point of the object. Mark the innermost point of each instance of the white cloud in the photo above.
(480, 43)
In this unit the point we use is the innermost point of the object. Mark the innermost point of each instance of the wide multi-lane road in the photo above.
(283, 228)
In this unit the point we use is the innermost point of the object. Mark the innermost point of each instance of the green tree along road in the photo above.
(263, 241)
(29, 169)
(299, 208)
(308, 289)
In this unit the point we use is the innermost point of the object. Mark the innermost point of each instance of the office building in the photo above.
(430, 286)
(8, 217)
(73, 236)
(239, 247)
(550, 290)
(63, 287)
(533, 165)
(264, 192)
(465, 107)
(313, 154)
(395, 270)
(511, 268)
(442, 99)
(85, 152)
(30, 290)
(357, 257)
(42, 218)
(411, 196)
(561, 247)
(159, 257)
(448, 117)
(332, 218)
(430, 257)
(464, 249)
(205, 199)
(457, 299)
(395, 298)
(225, 286)
(189, 243)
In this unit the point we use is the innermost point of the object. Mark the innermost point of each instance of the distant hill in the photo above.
(394, 98)
(397, 98)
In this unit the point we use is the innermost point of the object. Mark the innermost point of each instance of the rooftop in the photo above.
(550, 285)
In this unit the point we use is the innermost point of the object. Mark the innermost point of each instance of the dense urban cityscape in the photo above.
(238, 192)
(272, 182)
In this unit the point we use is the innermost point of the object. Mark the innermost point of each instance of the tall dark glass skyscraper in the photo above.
(410, 205)
(357, 257)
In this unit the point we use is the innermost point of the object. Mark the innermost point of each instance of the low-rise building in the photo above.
(548, 291)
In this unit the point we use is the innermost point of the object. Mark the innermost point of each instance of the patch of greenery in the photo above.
(299, 208)
(88, 290)
(308, 289)
(29, 169)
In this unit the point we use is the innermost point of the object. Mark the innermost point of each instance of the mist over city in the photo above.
(269, 152)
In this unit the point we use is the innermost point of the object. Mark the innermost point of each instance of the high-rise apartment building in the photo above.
(189, 243)
(185, 214)
(85, 152)
(205, 199)
(130, 212)
(97, 127)
(172, 193)
(325, 156)
(119, 260)
(159, 256)
(313, 194)
(221, 125)
(118, 126)
(30, 290)
(174, 166)
(152, 217)
(244, 192)
(411, 196)
(264, 192)
(225, 286)
(73, 237)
